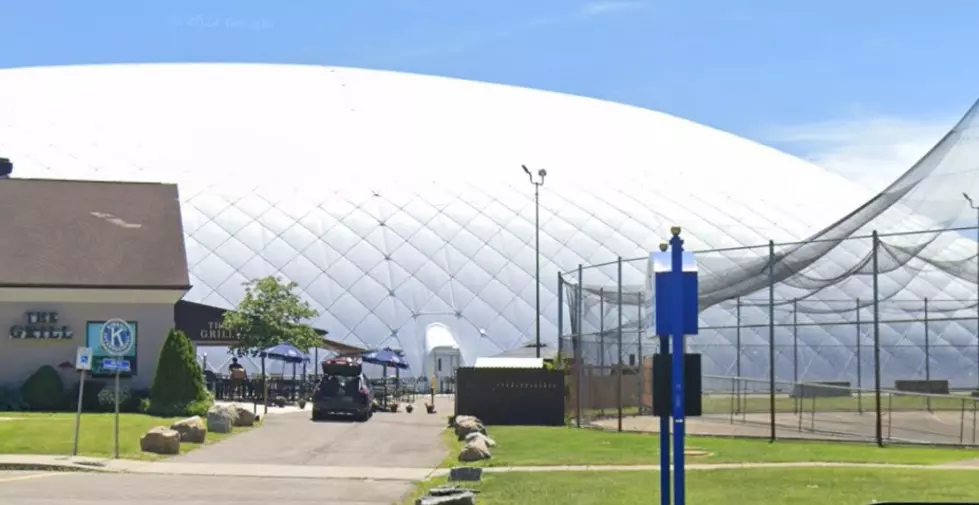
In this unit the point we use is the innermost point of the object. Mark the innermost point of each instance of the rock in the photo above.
(468, 425)
(475, 450)
(221, 419)
(464, 474)
(489, 441)
(191, 430)
(458, 419)
(463, 498)
(244, 417)
(160, 440)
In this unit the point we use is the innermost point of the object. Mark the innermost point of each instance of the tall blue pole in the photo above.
(678, 349)
(664, 421)
(664, 438)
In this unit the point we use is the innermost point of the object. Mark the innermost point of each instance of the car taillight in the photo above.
(364, 391)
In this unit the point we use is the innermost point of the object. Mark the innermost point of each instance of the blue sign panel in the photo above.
(664, 304)
(94, 336)
(111, 365)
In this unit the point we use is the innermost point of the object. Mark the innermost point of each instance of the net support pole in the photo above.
(639, 369)
(560, 319)
(927, 352)
(878, 425)
(859, 337)
(795, 341)
(601, 330)
(618, 393)
(737, 341)
(601, 341)
(771, 339)
(736, 387)
(578, 358)
(927, 345)
(795, 351)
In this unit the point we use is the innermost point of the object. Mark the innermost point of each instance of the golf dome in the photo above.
(398, 201)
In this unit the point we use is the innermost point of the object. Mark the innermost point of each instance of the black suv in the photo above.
(343, 390)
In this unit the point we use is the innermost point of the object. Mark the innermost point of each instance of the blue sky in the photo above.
(816, 78)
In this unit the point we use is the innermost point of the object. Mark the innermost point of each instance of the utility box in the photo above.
(692, 387)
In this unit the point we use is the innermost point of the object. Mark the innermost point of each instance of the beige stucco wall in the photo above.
(20, 358)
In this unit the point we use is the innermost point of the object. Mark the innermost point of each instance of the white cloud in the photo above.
(873, 151)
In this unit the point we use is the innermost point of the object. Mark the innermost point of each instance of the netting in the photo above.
(903, 262)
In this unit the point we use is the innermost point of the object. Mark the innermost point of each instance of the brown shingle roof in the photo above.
(57, 233)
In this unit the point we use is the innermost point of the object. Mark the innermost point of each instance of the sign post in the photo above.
(676, 312)
(117, 339)
(83, 363)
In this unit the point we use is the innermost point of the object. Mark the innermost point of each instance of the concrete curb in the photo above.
(54, 467)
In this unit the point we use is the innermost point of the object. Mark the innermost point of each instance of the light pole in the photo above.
(537, 184)
(976, 208)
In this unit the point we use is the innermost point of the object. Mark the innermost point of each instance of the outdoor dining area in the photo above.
(278, 389)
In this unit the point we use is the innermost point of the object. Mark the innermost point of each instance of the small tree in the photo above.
(178, 388)
(271, 313)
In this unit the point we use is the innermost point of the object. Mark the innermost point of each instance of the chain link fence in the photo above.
(884, 324)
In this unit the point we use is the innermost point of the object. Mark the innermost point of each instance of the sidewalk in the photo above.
(65, 463)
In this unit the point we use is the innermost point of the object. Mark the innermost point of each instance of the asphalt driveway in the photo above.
(399, 440)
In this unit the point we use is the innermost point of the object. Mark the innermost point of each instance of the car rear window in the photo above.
(342, 369)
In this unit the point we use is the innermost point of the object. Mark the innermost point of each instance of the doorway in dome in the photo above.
(442, 357)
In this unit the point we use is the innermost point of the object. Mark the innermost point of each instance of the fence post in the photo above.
(927, 353)
(771, 338)
(601, 342)
(879, 429)
(560, 319)
(619, 387)
(639, 328)
(859, 364)
(578, 361)
(601, 329)
(795, 351)
(737, 341)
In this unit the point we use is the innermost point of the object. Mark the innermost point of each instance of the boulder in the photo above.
(160, 440)
(462, 498)
(191, 430)
(244, 417)
(467, 425)
(221, 419)
(475, 450)
(487, 440)
(458, 419)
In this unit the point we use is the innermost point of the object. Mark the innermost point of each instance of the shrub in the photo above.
(44, 390)
(90, 402)
(11, 399)
(135, 401)
(178, 387)
(107, 398)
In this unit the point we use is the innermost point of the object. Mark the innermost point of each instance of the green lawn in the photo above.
(758, 486)
(759, 404)
(53, 433)
(545, 446)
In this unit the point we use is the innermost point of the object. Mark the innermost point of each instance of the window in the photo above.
(440, 364)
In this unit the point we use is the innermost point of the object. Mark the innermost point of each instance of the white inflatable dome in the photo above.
(396, 201)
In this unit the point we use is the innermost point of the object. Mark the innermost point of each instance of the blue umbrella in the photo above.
(285, 352)
(386, 357)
